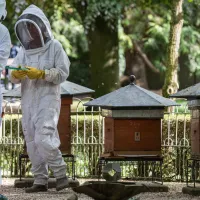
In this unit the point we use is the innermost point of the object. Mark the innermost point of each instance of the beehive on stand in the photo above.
(192, 94)
(132, 120)
(68, 91)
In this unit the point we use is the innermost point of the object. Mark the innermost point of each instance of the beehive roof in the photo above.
(192, 92)
(131, 96)
(67, 89)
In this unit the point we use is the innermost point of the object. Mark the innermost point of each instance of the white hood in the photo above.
(34, 10)
(3, 11)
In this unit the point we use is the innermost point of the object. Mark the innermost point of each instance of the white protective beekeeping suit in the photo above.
(5, 43)
(41, 97)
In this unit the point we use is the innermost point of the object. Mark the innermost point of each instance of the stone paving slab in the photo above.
(101, 190)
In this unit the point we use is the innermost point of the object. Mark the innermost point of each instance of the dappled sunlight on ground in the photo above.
(7, 189)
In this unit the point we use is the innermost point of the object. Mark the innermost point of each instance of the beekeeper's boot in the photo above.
(62, 183)
(37, 188)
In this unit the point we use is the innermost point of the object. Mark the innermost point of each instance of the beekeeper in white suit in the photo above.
(48, 66)
(5, 44)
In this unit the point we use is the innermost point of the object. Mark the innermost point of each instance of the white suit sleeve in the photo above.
(17, 61)
(60, 73)
(5, 45)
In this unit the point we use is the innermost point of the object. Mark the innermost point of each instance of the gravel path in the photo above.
(12, 193)
(175, 193)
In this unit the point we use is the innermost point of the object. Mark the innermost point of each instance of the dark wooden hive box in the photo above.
(133, 136)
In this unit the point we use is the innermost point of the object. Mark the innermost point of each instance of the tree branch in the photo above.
(145, 58)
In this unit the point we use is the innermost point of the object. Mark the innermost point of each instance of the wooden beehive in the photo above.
(132, 136)
(64, 125)
(132, 120)
(192, 94)
(194, 106)
(195, 140)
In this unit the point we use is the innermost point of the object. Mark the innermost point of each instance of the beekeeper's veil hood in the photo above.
(33, 29)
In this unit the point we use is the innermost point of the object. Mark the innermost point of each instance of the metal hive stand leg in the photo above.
(20, 167)
(21, 156)
(72, 160)
(72, 157)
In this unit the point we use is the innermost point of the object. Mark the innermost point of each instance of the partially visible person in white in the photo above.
(5, 45)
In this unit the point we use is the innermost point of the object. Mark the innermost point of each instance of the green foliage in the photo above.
(190, 40)
(125, 39)
(157, 39)
(145, 22)
(80, 71)
(67, 28)
(149, 27)
(86, 122)
(92, 9)
(10, 145)
(15, 120)
(175, 153)
(71, 35)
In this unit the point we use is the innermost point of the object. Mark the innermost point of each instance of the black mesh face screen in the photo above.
(32, 32)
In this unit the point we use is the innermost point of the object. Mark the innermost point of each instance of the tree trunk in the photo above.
(103, 51)
(171, 79)
(134, 66)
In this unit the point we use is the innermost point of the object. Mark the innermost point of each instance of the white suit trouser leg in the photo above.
(42, 141)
